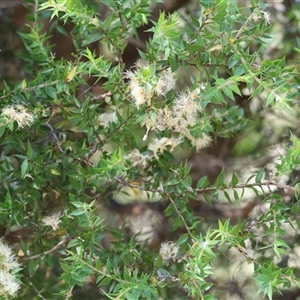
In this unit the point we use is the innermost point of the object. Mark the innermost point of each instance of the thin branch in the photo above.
(181, 217)
(29, 89)
(120, 296)
(210, 188)
(243, 251)
(69, 293)
(55, 137)
(138, 186)
(244, 25)
(101, 96)
(247, 185)
(61, 244)
(207, 189)
(36, 290)
(102, 141)
(97, 271)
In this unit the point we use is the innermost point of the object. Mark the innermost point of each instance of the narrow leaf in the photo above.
(259, 175)
(234, 179)
(220, 179)
(202, 183)
(24, 168)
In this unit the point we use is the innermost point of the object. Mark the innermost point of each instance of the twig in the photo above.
(69, 293)
(98, 271)
(210, 188)
(101, 96)
(61, 244)
(29, 89)
(243, 251)
(36, 290)
(55, 137)
(137, 186)
(181, 217)
(244, 25)
(102, 141)
(123, 293)
(247, 185)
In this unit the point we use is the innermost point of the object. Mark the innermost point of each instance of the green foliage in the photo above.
(64, 148)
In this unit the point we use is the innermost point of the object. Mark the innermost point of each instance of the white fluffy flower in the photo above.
(267, 17)
(8, 262)
(8, 259)
(17, 113)
(140, 94)
(52, 220)
(144, 82)
(107, 118)
(168, 250)
(186, 108)
(200, 143)
(159, 145)
(8, 285)
(137, 83)
(165, 83)
(137, 158)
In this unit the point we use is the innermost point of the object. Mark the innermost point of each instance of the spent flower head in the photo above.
(106, 118)
(144, 82)
(267, 17)
(186, 108)
(258, 15)
(139, 83)
(140, 94)
(160, 145)
(137, 158)
(163, 120)
(166, 82)
(177, 118)
(168, 250)
(17, 113)
(200, 142)
(53, 220)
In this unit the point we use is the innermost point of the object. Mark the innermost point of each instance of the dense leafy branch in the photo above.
(96, 197)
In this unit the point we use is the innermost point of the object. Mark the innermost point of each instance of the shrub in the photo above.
(66, 148)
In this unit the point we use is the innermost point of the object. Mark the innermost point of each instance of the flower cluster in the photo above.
(17, 113)
(9, 285)
(144, 83)
(182, 115)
